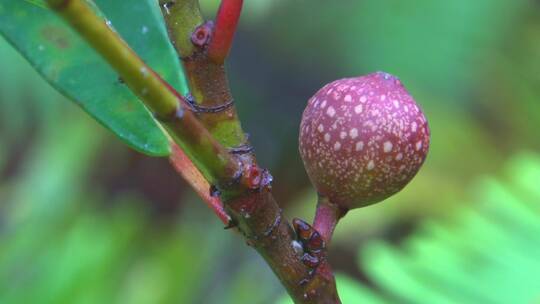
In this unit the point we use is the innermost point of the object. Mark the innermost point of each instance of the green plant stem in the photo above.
(206, 78)
(212, 159)
(254, 210)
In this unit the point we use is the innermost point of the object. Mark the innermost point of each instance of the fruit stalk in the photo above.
(326, 218)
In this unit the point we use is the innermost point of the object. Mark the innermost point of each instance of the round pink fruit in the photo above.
(362, 139)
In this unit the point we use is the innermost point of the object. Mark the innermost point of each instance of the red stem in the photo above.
(196, 180)
(326, 218)
(224, 29)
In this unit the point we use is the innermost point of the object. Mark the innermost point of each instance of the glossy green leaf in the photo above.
(73, 68)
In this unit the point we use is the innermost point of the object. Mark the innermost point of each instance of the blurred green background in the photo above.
(85, 219)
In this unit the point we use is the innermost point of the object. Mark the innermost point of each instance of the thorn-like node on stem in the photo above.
(313, 246)
(310, 260)
(303, 230)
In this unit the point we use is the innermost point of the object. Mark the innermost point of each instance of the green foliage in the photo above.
(68, 64)
(485, 253)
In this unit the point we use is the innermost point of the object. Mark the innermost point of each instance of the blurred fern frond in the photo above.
(487, 252)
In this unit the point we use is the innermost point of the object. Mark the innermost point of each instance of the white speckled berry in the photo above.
(362, 139)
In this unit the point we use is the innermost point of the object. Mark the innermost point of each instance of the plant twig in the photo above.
(245, 187)
(255, 211)
(212, 159)
(226, 22)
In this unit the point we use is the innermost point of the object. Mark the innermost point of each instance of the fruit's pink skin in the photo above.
(362, 139)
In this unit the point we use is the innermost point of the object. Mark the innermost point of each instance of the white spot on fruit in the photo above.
(348, 98)
(371, 165)
(414, 126)
(327, 137)
(331, 112)
(396, 103)
(320, 128)
(383, 97)
(388, 147)
(419, 145)
(342, 135)
(337, 146)
(323, 104)
(399, 156)
(363, 99)
(353, 133)
(358, 109)
(359, 146)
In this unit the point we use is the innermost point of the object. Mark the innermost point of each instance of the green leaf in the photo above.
(73, 68)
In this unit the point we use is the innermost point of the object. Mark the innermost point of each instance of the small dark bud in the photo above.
(303, 230)
(315, 243)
